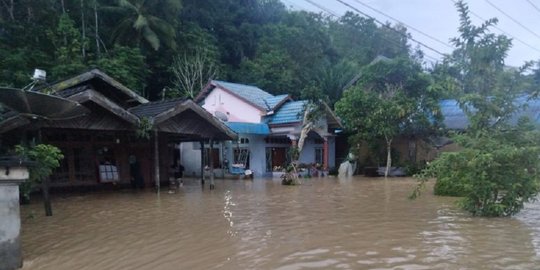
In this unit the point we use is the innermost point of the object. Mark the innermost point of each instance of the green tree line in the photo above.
(146, 44)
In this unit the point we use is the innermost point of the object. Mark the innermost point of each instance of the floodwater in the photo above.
(355, 223)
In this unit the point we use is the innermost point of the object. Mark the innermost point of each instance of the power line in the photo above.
(384, 38)
(502, 31)
(407, 25)
(331, 13)
(384, 25)
(292, 4)
(511, 18)
(533, 5)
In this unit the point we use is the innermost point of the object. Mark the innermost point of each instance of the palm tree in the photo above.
(141, 24)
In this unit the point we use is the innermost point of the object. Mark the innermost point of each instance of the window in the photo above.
(84, 169)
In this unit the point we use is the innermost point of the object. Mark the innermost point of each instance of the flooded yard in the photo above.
(357, 223)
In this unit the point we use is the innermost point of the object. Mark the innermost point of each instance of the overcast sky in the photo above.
(439, 19)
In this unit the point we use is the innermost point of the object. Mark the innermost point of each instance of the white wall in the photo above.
(190, 157)
(236, 109)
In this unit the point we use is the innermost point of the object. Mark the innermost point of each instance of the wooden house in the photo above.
(108, 143)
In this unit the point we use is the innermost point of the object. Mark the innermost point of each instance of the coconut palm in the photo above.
(139, 22)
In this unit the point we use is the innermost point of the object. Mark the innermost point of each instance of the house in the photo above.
(455, 119)
(103, 145)
(267, 126)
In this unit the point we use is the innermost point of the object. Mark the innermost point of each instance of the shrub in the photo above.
(47, 158)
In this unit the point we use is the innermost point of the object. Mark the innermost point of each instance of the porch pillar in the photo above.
(156, 159)
(294, 140)
(12, 173)
(202, 162)
(211, 163)
(325, 154)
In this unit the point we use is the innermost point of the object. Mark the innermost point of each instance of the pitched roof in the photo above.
(96, 75)
(454, 117)
(530, 109)
(152, 109)
(249, 93)
(275, 101)
(290, 112)
(72, 91)
(160, 112)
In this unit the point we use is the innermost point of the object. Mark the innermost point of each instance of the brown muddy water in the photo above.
(358, 223)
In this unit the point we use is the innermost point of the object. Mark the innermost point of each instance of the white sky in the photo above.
(439, 18)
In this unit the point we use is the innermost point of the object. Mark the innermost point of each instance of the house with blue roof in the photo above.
(454, 118)
(267, 125)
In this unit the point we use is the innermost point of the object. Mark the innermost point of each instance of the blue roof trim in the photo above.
(250, 93)
(290, 112)
(249, 128)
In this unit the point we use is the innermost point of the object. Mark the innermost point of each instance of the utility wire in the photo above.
(292, 4)
(511, 18)
(407, 25)
(502, 31)
(533, 5)
(385, 25)
(331, 13)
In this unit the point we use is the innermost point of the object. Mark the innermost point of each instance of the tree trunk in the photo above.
(388, 156)
(46, 197)
(98, 50)
(83, 25)
(9, 8)
(63, 13)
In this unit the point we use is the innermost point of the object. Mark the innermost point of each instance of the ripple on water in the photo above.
(359, 223)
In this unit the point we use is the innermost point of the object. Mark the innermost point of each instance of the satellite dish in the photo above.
(221, 116)
(35, 104)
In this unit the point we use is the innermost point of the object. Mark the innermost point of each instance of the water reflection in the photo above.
(355, 223)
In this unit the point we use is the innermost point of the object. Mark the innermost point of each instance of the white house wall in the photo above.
(236, 109)
(190, 158)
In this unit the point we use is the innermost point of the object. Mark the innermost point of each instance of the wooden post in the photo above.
(46, 197)
(45, 183)
(325, 154)
(202, 162)
(211, 163)
(156, 159)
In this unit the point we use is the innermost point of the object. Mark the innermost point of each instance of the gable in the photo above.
(235, 108)
(102, 83)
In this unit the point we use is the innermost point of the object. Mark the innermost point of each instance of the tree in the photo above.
(391, 98)
(47, 158)
(68, 44)
(191, 72)
(497, 172)
(143, 24)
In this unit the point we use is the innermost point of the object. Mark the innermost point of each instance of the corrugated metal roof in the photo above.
(272, 102)
(249, 128)
(152, 109)
(530, 109)
(250, 93)
(454, 117)
(290, 112)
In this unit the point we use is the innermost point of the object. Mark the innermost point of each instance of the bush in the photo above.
(449, 187)
(47, 158)
(497, 172)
